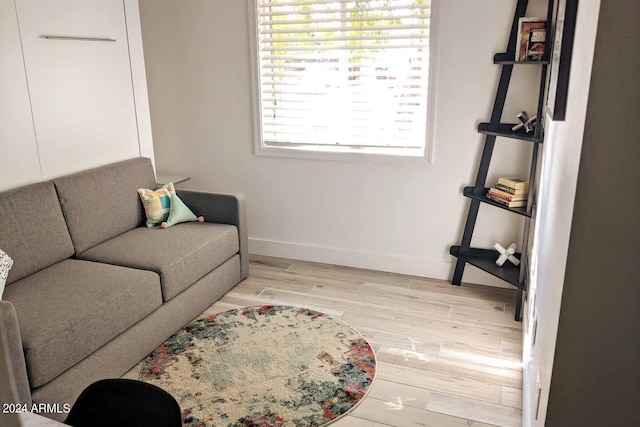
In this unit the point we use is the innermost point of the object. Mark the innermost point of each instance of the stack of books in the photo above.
(510, 192)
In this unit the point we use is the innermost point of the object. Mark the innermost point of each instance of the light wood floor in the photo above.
(447, 355)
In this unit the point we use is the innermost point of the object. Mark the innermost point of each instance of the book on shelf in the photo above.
(531, 39)
(499, 198)
(517, 184)
(510, 190)
(507, 203)
(511, 197)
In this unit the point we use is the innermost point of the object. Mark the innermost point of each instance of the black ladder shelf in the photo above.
(485, 258)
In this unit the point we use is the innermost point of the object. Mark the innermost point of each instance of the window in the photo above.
(342, 76)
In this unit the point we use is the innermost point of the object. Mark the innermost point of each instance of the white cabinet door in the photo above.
(81, 89)
(19, 163)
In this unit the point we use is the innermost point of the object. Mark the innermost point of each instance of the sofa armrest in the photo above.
(222, 209)
(12, 341)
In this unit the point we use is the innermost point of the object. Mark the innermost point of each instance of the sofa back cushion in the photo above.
(101, 203)
(32, 229)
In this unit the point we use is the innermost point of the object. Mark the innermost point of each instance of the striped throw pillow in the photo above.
(157, 203)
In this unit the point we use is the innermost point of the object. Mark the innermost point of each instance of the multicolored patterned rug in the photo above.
(263, 366)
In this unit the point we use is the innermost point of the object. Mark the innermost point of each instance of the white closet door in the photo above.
(19, 163)
(81, 89)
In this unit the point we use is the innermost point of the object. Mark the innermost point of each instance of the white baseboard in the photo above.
(380, 261)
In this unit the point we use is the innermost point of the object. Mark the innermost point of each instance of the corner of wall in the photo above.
(139, 79)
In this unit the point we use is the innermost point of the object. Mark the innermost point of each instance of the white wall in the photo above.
(385, 216)
(557, 188)
(70, 105)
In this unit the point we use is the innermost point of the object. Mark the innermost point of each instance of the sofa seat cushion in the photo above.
(181, 254)
(72, 308)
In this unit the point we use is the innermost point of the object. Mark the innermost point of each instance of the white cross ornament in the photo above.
(506, 254)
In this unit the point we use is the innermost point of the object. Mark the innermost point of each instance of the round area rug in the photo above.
(263, 366)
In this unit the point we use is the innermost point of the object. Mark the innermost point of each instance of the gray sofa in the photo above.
(92, 289)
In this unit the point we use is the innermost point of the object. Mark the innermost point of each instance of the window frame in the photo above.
(422, 156)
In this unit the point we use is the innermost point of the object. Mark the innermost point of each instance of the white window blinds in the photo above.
(343, 73)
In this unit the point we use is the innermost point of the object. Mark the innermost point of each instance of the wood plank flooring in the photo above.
(447, 355)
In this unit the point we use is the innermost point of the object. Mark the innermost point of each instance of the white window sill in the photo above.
(347, 154)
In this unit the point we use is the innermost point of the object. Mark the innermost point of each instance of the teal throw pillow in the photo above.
(179, 212)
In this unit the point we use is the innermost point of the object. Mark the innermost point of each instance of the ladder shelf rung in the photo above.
(508, 59)
(505, 130)
(468, 192)
(485, 260)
